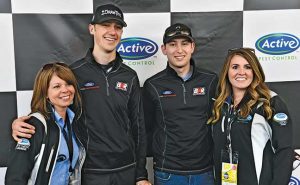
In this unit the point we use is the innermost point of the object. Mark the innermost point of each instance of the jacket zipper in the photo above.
(184, 92)
(51, 154)
(107, 86)
(83, 153)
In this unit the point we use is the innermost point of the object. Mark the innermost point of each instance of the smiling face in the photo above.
(60, 93)
(179, 52)
(240, 74)
(107, 35)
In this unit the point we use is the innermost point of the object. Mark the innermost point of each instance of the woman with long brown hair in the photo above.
(53, 155)
(251, 126)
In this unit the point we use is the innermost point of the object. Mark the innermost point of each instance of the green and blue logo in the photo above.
(136, 48)
(277, 43)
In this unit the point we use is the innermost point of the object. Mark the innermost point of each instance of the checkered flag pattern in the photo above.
(34, 32)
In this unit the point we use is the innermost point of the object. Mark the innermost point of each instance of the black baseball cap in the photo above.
(177, 30)
(108, 12)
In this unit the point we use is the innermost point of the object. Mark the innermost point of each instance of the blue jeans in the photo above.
(164, 178)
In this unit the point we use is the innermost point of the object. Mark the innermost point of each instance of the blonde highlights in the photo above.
(257, 90)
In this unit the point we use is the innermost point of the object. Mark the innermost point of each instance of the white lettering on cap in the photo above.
(111, 12)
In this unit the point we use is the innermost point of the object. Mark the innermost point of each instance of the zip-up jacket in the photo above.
(264, 147)
(26, 168)
(176, 114)
(113, 121)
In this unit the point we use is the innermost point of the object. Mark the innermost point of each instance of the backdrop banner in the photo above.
(35, 32)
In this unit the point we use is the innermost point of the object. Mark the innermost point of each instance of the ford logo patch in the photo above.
(136, 48)
(167, 92)
(89, 84)
(277, 43)
(281, 116)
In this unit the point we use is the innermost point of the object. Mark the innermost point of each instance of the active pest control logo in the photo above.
(277, 43)
(137, 48)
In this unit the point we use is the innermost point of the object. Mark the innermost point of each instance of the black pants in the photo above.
(124, 177)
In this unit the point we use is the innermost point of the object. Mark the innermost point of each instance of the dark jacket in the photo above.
(113, 121)
(264, 146)
(176, 113)
(22, 161)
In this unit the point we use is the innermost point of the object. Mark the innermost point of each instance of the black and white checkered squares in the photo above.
(34, 32)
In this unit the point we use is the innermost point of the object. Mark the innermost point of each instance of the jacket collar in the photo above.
(116, 63)
(172, 72)
(245, 99)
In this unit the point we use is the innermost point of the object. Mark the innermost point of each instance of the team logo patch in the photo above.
(121, 86)
(281, 118)
(245, 120)
(89, 85)
(24, 144)
(167, 93)
(199, 91)
(294, 181)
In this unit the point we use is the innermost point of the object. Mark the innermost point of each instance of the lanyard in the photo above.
(231, 117)
(68, 138)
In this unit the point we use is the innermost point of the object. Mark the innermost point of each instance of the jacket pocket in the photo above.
(162, 175)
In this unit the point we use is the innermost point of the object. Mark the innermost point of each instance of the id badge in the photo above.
(229, 173)
(229, 167)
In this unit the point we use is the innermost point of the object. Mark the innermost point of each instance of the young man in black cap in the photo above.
(177, 103)
(112, 126)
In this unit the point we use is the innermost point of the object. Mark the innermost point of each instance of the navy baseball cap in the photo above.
(177, 30)
(108, 12)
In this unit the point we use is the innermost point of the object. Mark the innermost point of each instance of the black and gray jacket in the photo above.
(113, 123)
(32, 162)
(176, 114)
(264, 146)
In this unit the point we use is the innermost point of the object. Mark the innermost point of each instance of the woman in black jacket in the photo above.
(251, 126)
(54, 154)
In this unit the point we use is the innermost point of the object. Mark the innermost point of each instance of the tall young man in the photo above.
(112, 126)
(177, 104)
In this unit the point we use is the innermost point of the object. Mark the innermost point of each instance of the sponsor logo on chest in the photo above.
(199, 91)
(167, 93)
(121, 86)
(89, 85)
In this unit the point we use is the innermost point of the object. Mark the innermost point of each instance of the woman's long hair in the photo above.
(257, 90)
(39, 101)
